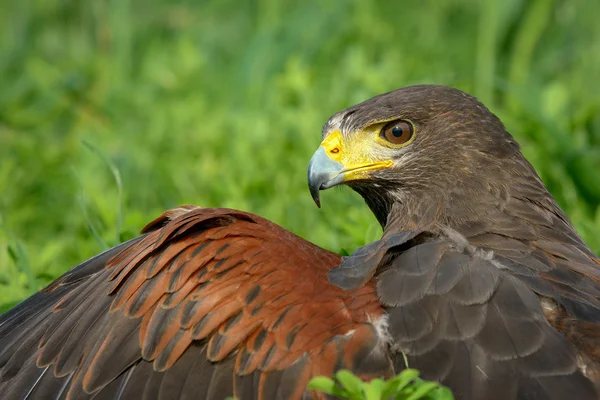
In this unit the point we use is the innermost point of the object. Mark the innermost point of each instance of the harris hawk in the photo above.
(479, 281)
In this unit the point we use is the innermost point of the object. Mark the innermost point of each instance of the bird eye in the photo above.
(397, 132)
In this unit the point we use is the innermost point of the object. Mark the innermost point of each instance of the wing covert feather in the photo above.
(481, 319)
(207, 303)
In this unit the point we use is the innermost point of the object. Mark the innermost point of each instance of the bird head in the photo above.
(425, 148)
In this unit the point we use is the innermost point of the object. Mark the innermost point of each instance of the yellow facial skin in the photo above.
(356, 154)
(342, 159)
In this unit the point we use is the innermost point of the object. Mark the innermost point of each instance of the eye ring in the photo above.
(399, 132)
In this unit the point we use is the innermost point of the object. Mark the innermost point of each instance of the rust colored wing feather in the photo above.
(207, 303)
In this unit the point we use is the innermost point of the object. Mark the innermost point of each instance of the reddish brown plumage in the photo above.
(246, 289)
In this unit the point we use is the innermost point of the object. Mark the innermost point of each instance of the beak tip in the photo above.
(317, 202)
(314, 192)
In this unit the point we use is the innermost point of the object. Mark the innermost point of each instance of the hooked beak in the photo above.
(337, 161)
(323, 173)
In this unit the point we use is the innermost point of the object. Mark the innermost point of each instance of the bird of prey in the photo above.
(479, 281)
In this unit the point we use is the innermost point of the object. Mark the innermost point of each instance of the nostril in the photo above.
(335, 150)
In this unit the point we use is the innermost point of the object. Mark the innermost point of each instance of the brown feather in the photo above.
(255, 297)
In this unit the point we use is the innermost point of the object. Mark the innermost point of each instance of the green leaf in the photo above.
(373, 390)
(326, 385)
(396, 384)
(350, 382)
(322, 384)
(422, 389)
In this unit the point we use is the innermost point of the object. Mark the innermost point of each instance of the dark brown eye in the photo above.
(397, 132)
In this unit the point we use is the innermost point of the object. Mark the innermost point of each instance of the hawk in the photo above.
(480, 281)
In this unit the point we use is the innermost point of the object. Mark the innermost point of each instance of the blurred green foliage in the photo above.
(405, 386)
(220, 103)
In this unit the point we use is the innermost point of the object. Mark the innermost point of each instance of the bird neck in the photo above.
(406, 214)
(515, 205)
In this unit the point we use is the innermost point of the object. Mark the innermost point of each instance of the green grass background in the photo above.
(112, 111)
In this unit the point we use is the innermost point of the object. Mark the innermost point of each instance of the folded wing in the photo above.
(207, 303)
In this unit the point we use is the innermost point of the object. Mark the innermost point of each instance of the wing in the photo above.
(461, 317)
(465, 320)
(505, 306)
(207, 303)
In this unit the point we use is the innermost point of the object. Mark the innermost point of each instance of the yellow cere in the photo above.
(356, 154)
